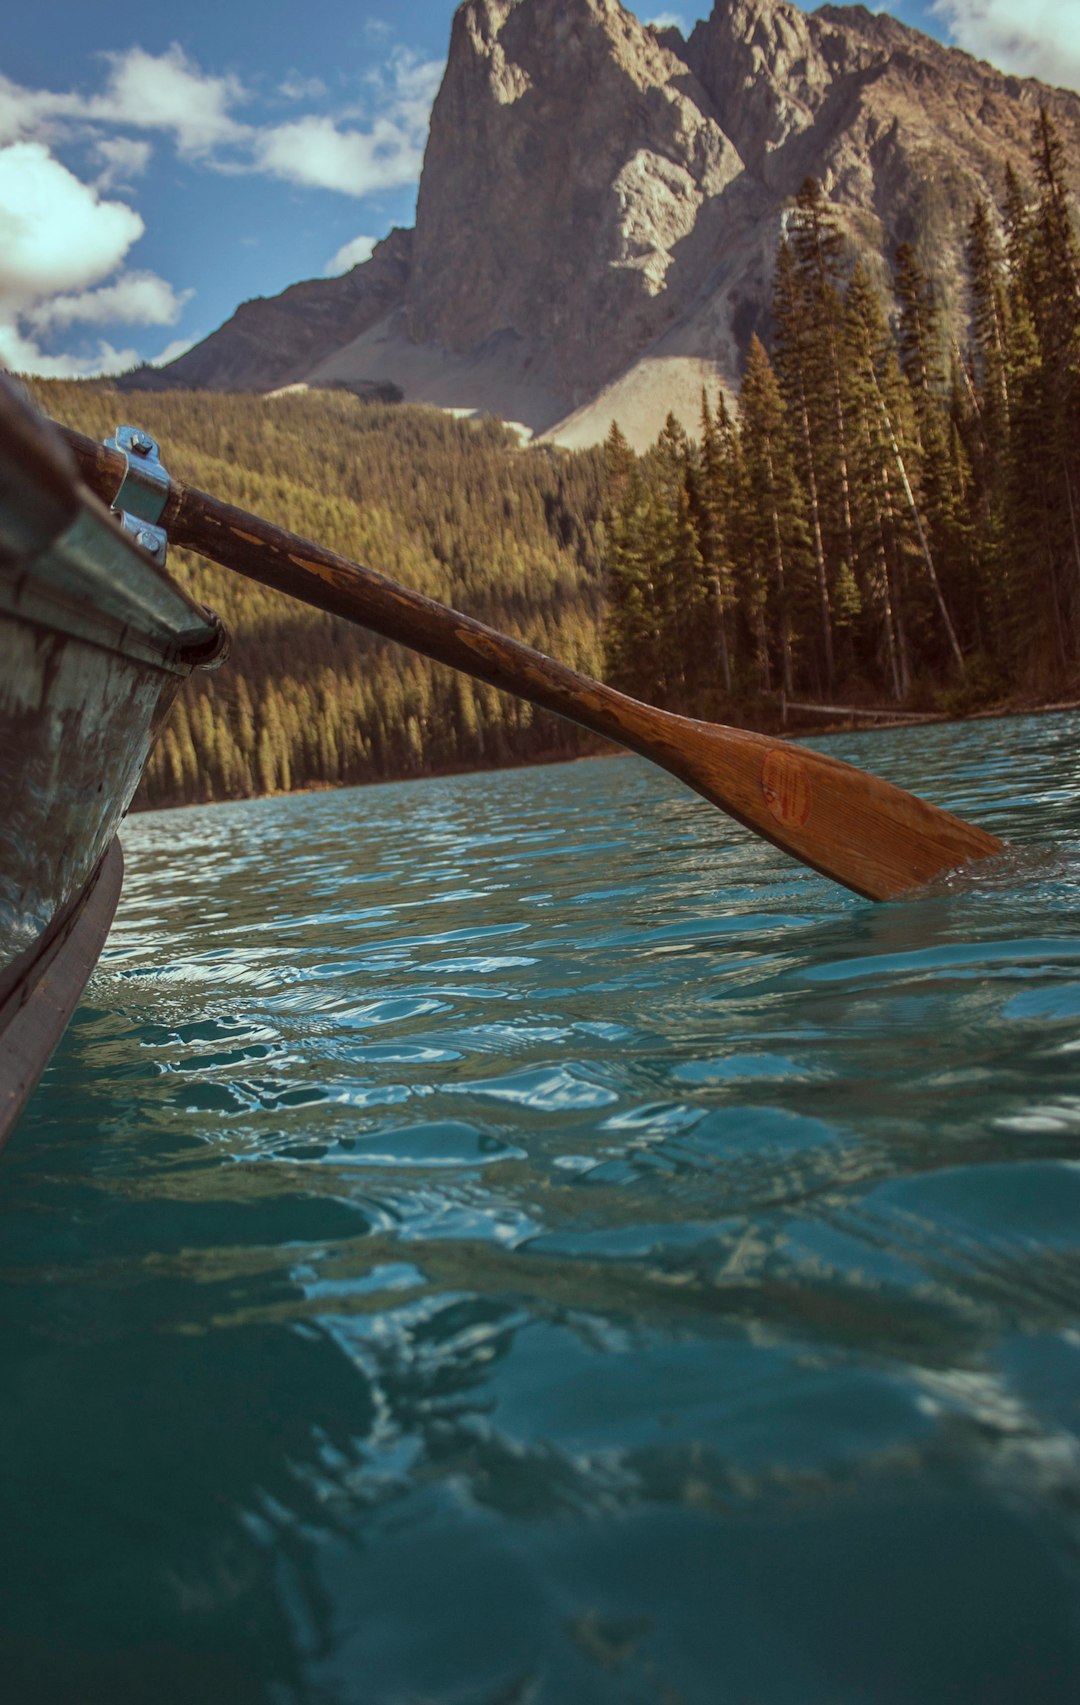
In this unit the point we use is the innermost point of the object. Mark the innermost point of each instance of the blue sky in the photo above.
(160, 164)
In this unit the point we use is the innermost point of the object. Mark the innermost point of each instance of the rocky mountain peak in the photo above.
(601, 201)
(562, 127)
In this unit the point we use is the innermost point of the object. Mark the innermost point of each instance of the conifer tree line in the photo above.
(450, 507)
(888, 516)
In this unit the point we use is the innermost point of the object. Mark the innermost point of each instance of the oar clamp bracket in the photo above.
(144, 490)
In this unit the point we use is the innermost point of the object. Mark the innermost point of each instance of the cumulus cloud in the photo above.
(61, 237)
(167, 91)
(143, 91)
(378, 146)
(58, 240)
(668, 21)
(382, 153)
(1034, 38)
(21, 354)
(64, 241)
(315, 152)
(56, 234)
(349, 255)
(134, 299)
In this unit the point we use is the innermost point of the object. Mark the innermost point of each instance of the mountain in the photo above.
(601, 202)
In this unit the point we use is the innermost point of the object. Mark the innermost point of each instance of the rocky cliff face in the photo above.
(601, 201)
(570, 156)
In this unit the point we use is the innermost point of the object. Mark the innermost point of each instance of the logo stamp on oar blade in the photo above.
(786, 787)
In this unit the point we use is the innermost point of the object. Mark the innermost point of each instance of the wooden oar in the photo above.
(861, 831)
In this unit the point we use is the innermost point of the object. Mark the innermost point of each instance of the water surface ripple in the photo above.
(518, 1240)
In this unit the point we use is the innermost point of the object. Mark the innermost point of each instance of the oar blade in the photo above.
(863, 832)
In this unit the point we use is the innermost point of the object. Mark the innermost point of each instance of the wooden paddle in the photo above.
(863, 832)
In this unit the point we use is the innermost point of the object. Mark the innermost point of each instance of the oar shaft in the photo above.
(251, 546)
(873, 837)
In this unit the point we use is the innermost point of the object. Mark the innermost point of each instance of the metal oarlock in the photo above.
(144, 490)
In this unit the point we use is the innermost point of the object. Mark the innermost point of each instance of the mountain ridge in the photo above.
(601, 201)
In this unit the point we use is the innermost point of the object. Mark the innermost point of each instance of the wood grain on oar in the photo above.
(861, 831)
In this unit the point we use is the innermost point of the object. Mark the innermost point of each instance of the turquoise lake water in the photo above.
(518, 1240)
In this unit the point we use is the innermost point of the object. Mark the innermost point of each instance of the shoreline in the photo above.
(924, 719)
(797, 731)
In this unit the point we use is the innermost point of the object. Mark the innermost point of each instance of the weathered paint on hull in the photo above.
(76, 726)
(95, 642)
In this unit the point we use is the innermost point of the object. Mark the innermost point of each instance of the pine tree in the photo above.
(676, 567)
(822, 264)
(712, 497)
(772, 531)
(990, 326)
(630, 622)
(882, 538)
(877, 370)
(918, 326)
(796, 371)
(1054, 269)
(1041, 483)
(918, 341)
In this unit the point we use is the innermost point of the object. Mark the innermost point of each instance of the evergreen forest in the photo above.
(885, 517)
(451, 507)
(888, 517)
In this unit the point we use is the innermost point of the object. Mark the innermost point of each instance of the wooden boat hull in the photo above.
(95, 642)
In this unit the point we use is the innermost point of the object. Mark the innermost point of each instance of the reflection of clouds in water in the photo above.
(990, 1429)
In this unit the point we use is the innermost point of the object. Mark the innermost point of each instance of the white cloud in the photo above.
(349, 255)
(1034, 38)
(379, 146)
(20, 354)
(669, 21)
(58, 239)
(321, 152)
(134, 299)
(409, 85)
(169, 92)
(32, 114)
(123, 158)
(172, 351)
(143, 91)
(314, 152)
(63, 241)
(59, 236)
(56, 234)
